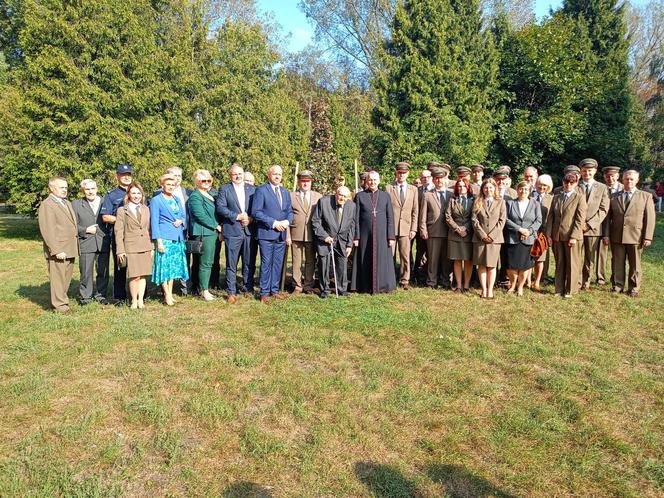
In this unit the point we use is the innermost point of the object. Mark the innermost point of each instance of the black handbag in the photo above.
(194, 246)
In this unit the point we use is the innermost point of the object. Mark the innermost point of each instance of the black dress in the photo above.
(373, 263)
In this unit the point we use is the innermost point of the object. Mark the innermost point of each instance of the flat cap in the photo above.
(121, 169)
(463, 170)
(571, 168)
(611, 169)
(588, 163)
(402, 166)
(502, 172)
(305, 174)
(438, 171)
(477, 167)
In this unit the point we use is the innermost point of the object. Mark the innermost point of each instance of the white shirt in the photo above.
(179, 193)
(523, 205)
(239, 191)
(94, 205)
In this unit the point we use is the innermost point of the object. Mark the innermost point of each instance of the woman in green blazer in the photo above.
(203, 224)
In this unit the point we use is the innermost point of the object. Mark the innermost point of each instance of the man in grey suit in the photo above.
(94, 243)
(333, 222)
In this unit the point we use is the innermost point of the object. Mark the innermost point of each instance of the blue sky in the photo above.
(301, 32)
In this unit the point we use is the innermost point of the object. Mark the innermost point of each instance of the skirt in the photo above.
(171, 264)
(486, 254)
(139, 264)
(518, 257)
(459, 250)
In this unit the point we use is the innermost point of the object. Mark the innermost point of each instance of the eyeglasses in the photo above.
(206, 181)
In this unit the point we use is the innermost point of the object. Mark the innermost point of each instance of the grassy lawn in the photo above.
(419, 393)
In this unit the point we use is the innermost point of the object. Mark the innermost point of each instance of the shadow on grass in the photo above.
(18, 227)
(244, 489)
(41, 294)
(459, 483)
(384, 481)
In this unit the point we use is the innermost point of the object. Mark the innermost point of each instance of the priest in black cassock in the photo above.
(373, 264)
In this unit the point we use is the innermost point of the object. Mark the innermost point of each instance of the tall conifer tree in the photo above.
(616, 132)
(438, 92)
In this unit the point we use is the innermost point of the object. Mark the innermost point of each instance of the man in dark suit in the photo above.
(233, 208)
(109, 208)
(273, 213)
(333, 223)
(57, 224)
(95, 244)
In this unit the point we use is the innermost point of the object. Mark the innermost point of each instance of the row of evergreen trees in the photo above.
(159, 83)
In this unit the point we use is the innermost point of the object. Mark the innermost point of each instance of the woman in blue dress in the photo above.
(168, 220)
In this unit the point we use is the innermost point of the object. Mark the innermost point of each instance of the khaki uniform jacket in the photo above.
(489, 221)
(565, 221)
(57, 224)
(456, 218)
(597, 207)
(432, 215)
(301, 229)
(130, 235)
(546, 206)
(634, 224)
(406, 215)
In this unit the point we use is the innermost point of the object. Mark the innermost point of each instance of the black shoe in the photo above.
(119, 303)
(323, 295)
(85, 302)
(102, 300)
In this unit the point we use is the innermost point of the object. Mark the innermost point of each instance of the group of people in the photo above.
(467, 228)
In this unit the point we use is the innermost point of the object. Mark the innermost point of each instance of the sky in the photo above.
(293, 21)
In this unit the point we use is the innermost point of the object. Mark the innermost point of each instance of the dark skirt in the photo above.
(518, 257)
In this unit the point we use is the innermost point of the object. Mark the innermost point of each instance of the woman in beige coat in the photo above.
(488, 219)
(544, 186)
(134, 246)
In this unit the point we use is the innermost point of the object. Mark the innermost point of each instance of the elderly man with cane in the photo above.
(333, 222)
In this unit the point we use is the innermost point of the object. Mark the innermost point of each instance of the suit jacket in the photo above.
(489, 221)
(565, 220)
(202, 219)
(632, 224)
(132, 236)
(85, 217)
(510, 194)
(57, 224)
(324, 223)
(531, 221)
(432, 214)
(406, 214)
(545, 205)
(597, 207)
(456, 217)
(301, 230)
(228, 208)
(266, 210)
(162, 218)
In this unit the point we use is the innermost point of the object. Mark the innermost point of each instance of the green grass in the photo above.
(419, 393)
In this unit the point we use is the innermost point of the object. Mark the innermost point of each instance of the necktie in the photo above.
(305, 201)
(402, 194)
(441, 194)
(340, 212)
(463, 202)
(138, 213)
(488, 203)
(628, 198)
(587, 191)
(277, 193)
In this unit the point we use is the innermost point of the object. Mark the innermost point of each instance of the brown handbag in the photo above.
(540, 245)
